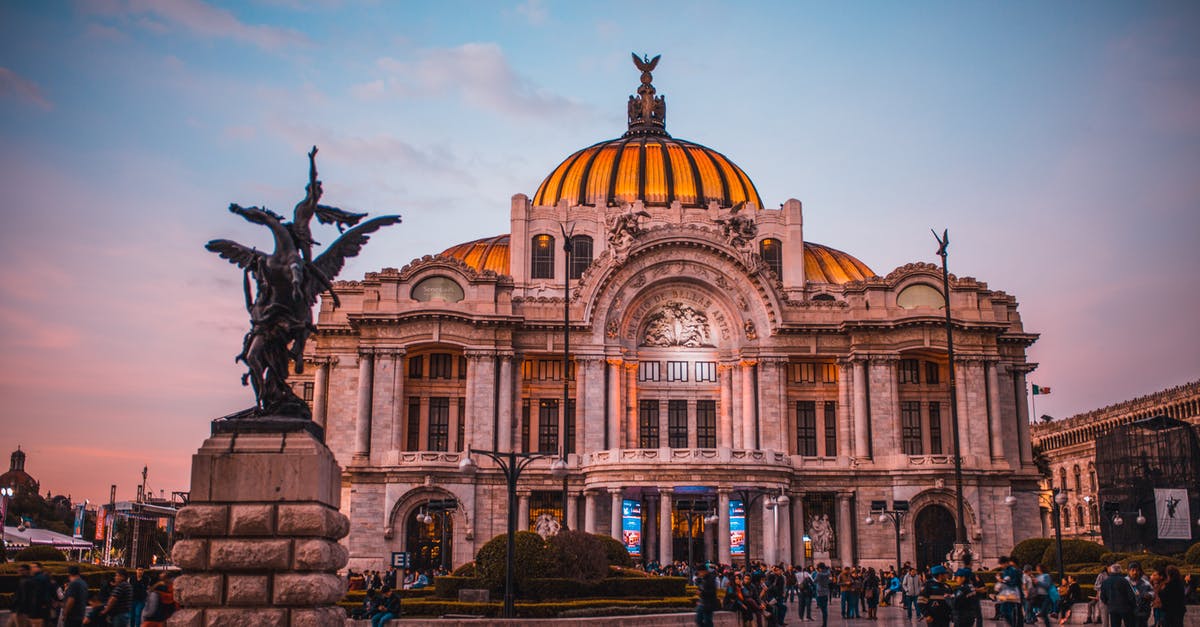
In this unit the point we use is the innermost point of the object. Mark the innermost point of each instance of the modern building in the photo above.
(1069, 446)
(717, 362)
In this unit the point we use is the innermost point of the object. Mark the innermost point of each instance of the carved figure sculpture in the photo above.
(625, 227)
(286, 286)
(821, 533)
(739, 230)
(677, 324)
(546, 525)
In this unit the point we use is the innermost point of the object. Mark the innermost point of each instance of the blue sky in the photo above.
(1059, 142)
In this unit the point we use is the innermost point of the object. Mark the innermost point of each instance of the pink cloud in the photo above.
(198, 18)
(13, 85)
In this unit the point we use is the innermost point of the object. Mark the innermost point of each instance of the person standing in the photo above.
(1172, 598)
(1118, 596)
(1097, 612)
(821, 591)
(871, 593)
(910, 588)
(804, 580)
(120, 601)
(1143, 591)
(707, 582)
(76, 598)
(967, 611)
(141, 589)
(935, 597)
(1009, 593)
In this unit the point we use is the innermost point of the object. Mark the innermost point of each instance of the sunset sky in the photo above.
(1058, 141)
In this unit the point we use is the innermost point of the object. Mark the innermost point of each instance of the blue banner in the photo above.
(737, 528)
(78, 533)
(631, 526)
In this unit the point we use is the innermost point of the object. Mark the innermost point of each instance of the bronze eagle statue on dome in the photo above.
(287, 283)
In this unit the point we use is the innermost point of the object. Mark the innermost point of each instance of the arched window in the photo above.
(1062, 479)
(1066, 517)
(1078, 479)
(1079, 515)
(581, 255)
(541, 257)
(1093, 514)
(1092, 478)
(771, 251)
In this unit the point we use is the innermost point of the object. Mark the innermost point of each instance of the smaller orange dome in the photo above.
(489, 253)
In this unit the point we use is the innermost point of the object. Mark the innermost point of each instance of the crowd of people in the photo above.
(146, 599)
(381, 602)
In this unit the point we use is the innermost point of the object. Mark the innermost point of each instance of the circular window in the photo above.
(437, 288)
(920, 295)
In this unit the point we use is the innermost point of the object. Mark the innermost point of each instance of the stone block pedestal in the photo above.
(258, 540)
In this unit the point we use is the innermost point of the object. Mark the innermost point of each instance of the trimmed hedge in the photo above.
(40, 553)
(465, 570)
(447, 586)
(609, 607)
(562, 588)
(577, 555)
(1110, 558)
(1150, 562)
(1074, 552)
(1192, 556)
(615, 550)
(95, 576)
(530, 559)
(1030, 551)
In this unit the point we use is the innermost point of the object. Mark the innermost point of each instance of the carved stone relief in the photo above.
(677, 324)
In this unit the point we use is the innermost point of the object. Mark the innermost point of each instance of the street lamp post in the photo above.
(749, 496)
(5, 494)
(566, 365)
(1057, 500)
(961, 547)
(441, 509)
(896, 515)
(696, 510)
(511, 464)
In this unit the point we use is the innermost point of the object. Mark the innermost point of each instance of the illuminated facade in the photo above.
(1070, 449)
(712, 350)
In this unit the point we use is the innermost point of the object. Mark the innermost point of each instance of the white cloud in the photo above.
(534, 11)
(13, 85)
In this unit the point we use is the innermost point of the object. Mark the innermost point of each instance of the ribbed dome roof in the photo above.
(822, 264)
(654, 168)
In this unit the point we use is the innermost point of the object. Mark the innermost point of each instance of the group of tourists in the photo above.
(382, 601)
(144, 600)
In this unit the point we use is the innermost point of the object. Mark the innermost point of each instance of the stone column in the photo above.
(961, 376)
(797, 517)
(723, 528)
(995, 428)
(649, 527)
(383, 401)
(399, 404)
(784, 539)
(861, 444)
(321, 390)
(362, 423)
(589, 511)
(725, 431)
(572, 510)
(589, 407)
(749, 416)
(665, 540)
(504, 439)
(772, 424)
(616, 514)
(631, 405)
(735, 408)
(1023, 441)
(768, 530)
(479, 395)
(845, 447)
(616, 413)
(845, 525)
(258, 542)
(523, 511)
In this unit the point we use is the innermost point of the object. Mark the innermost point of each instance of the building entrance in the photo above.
(934, 531)
(429, 543)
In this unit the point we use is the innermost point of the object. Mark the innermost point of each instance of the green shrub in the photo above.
(1192, 556)
(616, 552)
(1084, 570)
(649, 587)
(1151, 562)
(578, 556)
(466, 570)
(40, 553)
(447, 587)
(1110, 558)
(621, 571)
(1030, 551)
(1074, 552)
(530, 559)
(581, 607)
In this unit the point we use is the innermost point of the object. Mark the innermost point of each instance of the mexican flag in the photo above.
(1040, 389)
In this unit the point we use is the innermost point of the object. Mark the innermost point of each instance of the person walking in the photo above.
(968, 590)
(707, 582)
(934, 599)
(1010, 592)
(120, 600)
(821, 591)
(1119, 597)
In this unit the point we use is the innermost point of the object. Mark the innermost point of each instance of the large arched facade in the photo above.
(717, 362)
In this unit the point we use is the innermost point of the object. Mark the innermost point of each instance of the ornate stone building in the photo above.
(712, 350)
(1070, 449)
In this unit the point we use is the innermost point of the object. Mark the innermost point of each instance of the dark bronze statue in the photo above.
(287, 283)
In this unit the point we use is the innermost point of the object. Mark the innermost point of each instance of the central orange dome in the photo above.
(654, 168)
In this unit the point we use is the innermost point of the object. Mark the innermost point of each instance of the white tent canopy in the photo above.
(14, 537)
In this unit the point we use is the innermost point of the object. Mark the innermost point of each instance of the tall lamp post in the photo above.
(961, 548)
(511, 464)
(896, 515)
(750, 496)
(561, 464)
(1058, 498)
(5, 494)
(696, 510)
(441, 509)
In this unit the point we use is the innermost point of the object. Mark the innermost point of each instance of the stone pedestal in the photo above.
(259, 537)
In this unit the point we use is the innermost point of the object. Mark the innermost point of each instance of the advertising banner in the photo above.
(101, 519)
(78, 530)
(1174, 514)
(737, 528)
(631, 526)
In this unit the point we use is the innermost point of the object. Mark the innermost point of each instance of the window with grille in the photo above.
(910, 371)
(706, 371)
(932, 374)
(806, 428)
(440, 365)
(647, 371)
(413, 437)
(439, 423)
(677, 427)
(803, 372)
(935, 428)
(829, 373)
(309, 387)
(525, 425)
(570, 426)
(677, 371)
(910, 427)
(462, 423)
(581, 255)
(416, 367)
(706, 424)
(648, 423)
(462, 367)
(771, 251)
(830, 428)
(541, 257)
(548, 426)
(549, 369)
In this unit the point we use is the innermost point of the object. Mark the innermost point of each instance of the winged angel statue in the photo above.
(287, 283)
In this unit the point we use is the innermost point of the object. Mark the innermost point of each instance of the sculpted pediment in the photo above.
(677, 324)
